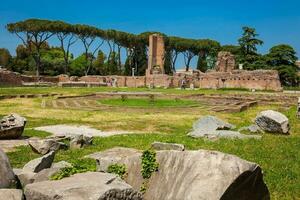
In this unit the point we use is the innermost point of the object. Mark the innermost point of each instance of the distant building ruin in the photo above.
(156, 55)
(224, 76)
(225, 62)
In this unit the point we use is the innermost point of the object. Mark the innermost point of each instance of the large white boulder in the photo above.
(189, 175)
(11, 194)
(273, 122)
(91, 186)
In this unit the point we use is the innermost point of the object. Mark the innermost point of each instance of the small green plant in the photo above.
(68, 171)
(144, 187)
(118, 169)
(149, 164)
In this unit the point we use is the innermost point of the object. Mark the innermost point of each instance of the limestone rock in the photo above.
(202, 174)
(79, 141)
(211, 123)
(91, 185)
(11, 194)
(46, 174)
(185, 175)
(41, 163)
(7, 177)
(45, 146)
(252, 129)
(12, 126)
(273, 122)
(167, 146)
(24, 177)
(112, 156)
(213, 128)
(61, 164)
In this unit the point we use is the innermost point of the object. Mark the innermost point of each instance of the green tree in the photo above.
(77, 66)
(33, 33)
(249, 41)
(283, 58)
(99, 64)
(112, 64)
(5, 57)
(168, 63)
(66, 36)
(282, 55)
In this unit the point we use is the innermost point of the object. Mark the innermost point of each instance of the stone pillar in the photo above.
(225, 62)
(156, 55)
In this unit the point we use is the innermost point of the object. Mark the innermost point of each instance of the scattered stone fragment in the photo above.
(61, 164)
(41, 163)
(211, 123)
(252, 129)
(112, 156)
(273, 122)
(11, 194)
(91, 185)
(80, 141)
(24, 177)
(167, 146)
(12, 126)
(46, 174)
(213, 128)
(7, 177)
(44, 146)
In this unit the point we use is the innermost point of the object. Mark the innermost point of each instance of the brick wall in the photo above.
(259, 79)
(10, 78)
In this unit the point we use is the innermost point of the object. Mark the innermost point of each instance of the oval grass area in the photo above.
(147, 103)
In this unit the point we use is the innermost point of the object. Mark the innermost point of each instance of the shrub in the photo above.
(118, 169)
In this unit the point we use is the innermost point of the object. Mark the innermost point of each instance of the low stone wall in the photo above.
(33, 79)
(259, 80)
(10, 78)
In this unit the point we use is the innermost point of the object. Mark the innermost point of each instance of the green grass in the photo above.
(279, 156)
(146, 103)
(35, 133)
(85, 90)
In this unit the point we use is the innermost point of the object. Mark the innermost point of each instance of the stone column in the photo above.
(156, 55)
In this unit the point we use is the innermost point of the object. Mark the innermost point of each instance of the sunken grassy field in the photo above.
(279, 156)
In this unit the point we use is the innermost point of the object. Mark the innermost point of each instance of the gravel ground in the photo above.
(66, 130)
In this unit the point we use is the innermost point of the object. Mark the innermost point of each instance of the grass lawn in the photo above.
(81, 91)
(146, 102)
(279, 156)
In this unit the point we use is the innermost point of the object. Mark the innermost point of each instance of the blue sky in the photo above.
(277, 21)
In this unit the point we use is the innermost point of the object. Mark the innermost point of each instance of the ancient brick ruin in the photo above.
(224, 76)
(156, 55)
(225, 62)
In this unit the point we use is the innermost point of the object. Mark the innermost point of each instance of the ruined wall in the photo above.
(34, 79)
(156, 55)
(259, 80)
(10, 78)
(225, 62)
